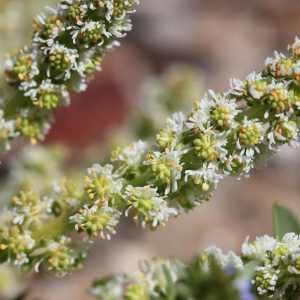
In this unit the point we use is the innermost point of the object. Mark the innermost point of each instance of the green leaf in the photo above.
(284, 221)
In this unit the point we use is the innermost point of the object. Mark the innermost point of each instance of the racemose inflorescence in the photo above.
(222, 136)
(67, 47)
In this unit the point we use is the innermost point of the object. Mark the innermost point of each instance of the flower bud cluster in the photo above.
(22, 225)
(57, 256)
(222, 136)
(278, 265)
(67, 47)
(212, 275)
(268, 268)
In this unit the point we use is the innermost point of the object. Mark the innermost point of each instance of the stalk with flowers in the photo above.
(35, 167)
(271, 263)
(268, 268)
(223, 135)
(68, 44)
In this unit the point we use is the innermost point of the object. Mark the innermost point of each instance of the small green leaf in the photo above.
(284, 221)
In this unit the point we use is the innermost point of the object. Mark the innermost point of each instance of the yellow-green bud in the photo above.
(52, 24)
(279, 100)
(92, 36)
(21, 67)
(205, 147)
(136, 291)
(165, 138)
(59, 61)
(48, 99)
(29, 128)
(249, 135)
(286, 129)
(221, 116)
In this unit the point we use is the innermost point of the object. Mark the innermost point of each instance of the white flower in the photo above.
(55, 31)
(88, 27)
(292, 241)
(47, 86)
(113, 181)
(282, 86)
(30, 57)
(133, 154)
(295, 48)
(254, 88)
(148, 206)
(229, 260)
(171, 160)
(176, 123)
(66, 4)
(258, 248)
(265, 279)
(105, 220)
(275, 136)
(244, 160)
(208, 173)
(170, 135)
(109, 9)
(85, 60)
(255, 130)
(218, 100)
(201, 117)
(119, 29)
(277, 66)
(70, 57)
(237, 87)
(163, 212)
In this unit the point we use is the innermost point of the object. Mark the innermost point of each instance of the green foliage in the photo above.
(284, 221)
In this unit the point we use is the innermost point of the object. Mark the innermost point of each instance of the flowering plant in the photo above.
(68, 44)
(224, 135)
(267, 268)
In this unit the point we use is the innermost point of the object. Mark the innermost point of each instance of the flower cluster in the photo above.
(68, 45)
(30, 175)
(222, 136)
(147, 206)
(278, 265)
(268, 268)
(212, 275)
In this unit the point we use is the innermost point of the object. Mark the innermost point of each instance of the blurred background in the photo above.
(177, 50)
